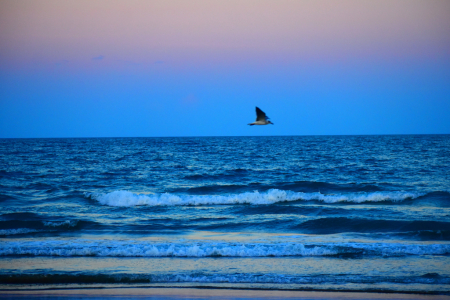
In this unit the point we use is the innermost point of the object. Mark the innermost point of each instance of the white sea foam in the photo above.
(126, 198)
(136, 249)
(133, 248)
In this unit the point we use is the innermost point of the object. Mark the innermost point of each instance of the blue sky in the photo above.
(158, 68)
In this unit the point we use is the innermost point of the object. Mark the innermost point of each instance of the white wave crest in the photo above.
(134, 248)
(126, 198)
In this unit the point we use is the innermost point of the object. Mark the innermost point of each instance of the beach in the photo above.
(173, 293)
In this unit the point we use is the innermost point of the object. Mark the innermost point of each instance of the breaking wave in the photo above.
(126, 198)
(133, 248)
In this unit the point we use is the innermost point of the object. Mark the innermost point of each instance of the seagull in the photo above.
(261, 118)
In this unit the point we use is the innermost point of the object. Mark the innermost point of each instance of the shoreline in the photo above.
(208, 293)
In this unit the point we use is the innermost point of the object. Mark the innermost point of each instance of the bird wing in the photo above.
(260, 115)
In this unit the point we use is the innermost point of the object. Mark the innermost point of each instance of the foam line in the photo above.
(126, 198)
(133, 248)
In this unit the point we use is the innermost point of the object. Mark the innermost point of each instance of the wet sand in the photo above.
(193, 293)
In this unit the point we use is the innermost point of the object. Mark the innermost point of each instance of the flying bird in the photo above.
(261, 118)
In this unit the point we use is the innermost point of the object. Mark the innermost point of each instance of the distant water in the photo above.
(366, 213)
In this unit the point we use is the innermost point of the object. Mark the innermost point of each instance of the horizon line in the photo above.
(199, 136)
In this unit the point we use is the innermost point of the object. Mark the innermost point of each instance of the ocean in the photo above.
(320, 213)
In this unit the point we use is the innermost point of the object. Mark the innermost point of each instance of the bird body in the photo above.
(261, 118)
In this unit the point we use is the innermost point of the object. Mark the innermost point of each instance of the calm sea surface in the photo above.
(303, 212)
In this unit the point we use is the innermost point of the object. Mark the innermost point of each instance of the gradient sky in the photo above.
(93, 68)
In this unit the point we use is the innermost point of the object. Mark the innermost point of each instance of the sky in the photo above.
(150, 68)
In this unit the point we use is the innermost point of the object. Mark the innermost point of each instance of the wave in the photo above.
(344, 224)
(4, 232)
(14, 226)
(61, 224)
(426, 235)
(126, 198)
(218, 278)
(4, 197)
(296, 186)
(132, 248)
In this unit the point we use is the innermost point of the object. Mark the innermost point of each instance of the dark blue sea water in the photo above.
(366, 213)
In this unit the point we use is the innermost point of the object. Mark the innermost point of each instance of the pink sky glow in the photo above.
(52, 31)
